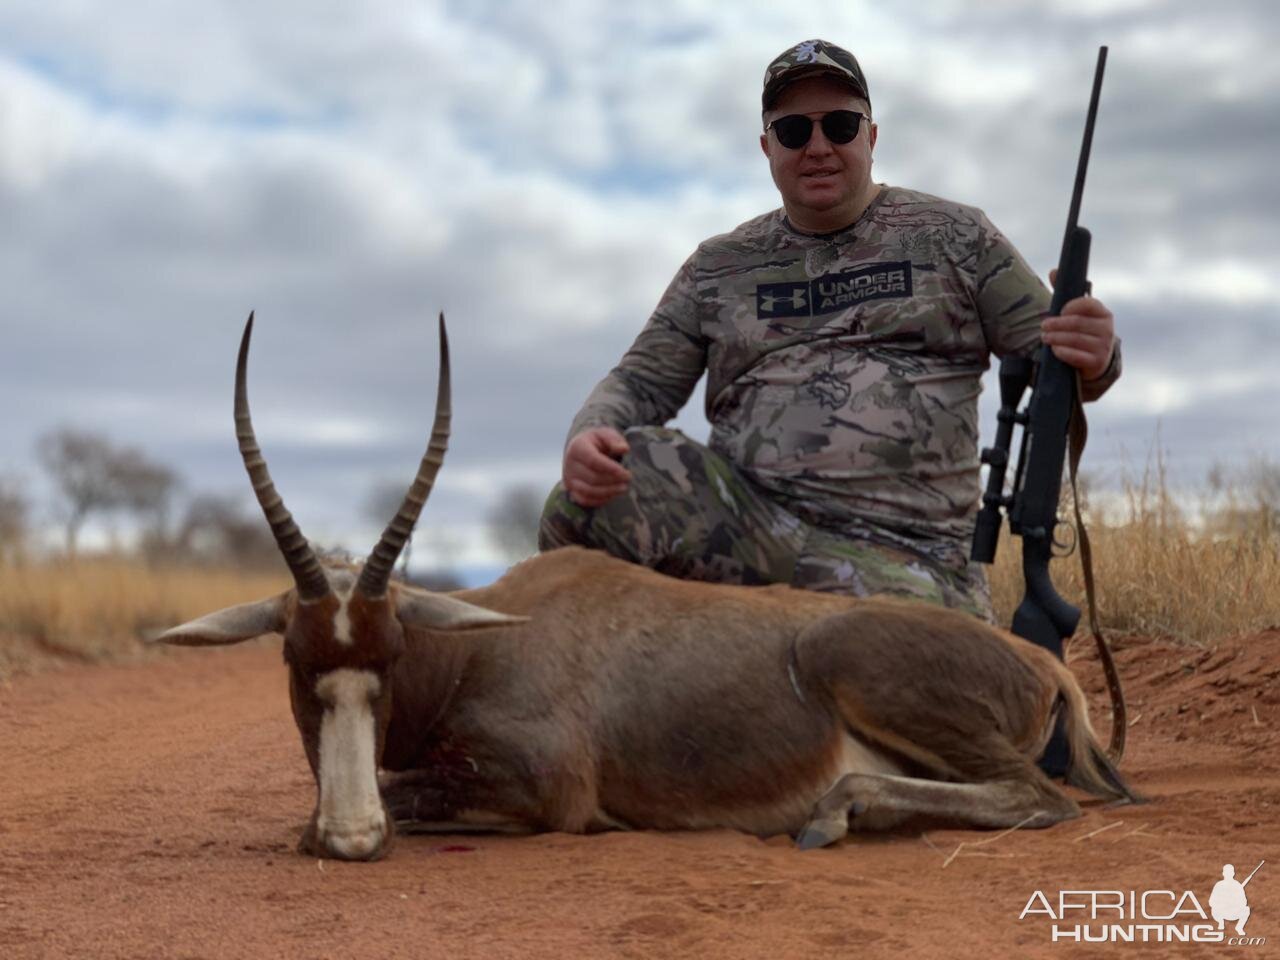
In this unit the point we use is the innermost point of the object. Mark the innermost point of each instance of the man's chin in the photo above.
(823, 214)
(822, 195)
(822, 202)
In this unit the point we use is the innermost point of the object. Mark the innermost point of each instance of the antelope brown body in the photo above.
(583, 693)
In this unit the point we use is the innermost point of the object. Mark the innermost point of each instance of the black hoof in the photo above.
(820, 833)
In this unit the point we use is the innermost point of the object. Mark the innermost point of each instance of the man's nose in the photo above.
(818, 142)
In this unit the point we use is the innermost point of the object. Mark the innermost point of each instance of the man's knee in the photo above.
(665, 513)
(649, 435)
(616, 527)
(662, 463)
(562, 521)
(661, 458)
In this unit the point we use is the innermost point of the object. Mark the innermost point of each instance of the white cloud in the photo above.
(1230, 282)
(38, 129)
(1160, 391)
(340, 432)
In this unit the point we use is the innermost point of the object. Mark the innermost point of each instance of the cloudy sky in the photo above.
(539, 170)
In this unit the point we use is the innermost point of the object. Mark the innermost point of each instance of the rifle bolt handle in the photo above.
(995, 456)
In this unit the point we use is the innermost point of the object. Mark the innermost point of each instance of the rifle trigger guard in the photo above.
(1066, 547)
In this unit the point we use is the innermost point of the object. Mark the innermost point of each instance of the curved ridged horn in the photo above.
(377, 569)
(306, 570)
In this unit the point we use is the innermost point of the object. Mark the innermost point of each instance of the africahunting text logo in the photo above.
(1147, 916)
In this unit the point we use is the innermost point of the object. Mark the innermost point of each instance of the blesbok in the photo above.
(582, 693)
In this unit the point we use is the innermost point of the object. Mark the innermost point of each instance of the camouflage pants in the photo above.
(691, 514)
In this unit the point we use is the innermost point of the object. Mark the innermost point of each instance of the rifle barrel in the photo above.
(1078, 192)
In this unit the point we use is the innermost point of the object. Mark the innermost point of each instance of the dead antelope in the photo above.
(581, 693)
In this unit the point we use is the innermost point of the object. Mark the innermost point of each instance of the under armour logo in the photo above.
(798, 299)
(834, 292)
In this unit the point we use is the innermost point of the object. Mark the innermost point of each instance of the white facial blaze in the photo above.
(350, 820)
(342, 619)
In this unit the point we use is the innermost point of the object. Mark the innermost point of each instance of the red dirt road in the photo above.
(151, 810)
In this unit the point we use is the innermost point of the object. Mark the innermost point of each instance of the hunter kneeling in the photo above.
(844, 336)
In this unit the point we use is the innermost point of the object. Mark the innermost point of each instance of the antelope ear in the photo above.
(232, 625)
(439, 611)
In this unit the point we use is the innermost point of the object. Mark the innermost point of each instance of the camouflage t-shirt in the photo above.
(843, 370)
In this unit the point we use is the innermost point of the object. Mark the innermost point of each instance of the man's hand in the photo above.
(1083, 336)
(592, 476)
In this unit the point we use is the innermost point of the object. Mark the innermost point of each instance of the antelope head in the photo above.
(343, 630)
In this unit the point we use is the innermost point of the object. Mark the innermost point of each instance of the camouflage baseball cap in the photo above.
(813, 57)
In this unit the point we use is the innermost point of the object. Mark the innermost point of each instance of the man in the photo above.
(844, 337)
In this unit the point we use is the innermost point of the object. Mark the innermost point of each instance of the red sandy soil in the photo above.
(151, 810)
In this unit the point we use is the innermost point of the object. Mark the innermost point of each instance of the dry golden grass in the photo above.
(100, 609)
(1159, 573)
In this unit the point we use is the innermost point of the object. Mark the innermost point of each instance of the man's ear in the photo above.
(764, 143)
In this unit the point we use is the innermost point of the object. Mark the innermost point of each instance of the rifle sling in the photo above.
(1077, 434)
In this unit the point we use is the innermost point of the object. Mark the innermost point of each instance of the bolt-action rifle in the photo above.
(1053, 417)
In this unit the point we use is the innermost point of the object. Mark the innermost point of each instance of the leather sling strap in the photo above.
(1077, 435)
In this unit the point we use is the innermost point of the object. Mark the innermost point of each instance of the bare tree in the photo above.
(79, 463)
(513, 521)
(14, 510)
(94, 476)
(145, 489)
(219, 529)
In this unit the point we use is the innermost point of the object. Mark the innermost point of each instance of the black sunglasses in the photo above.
(794, 130)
